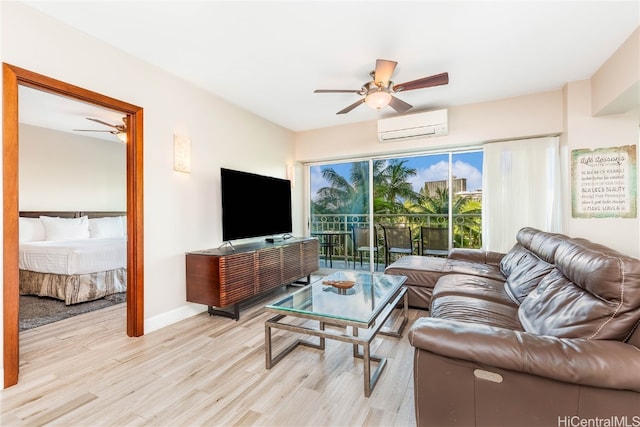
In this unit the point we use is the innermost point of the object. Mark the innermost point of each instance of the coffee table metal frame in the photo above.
(373, 328)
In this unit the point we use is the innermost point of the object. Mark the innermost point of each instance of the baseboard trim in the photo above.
(170, 317)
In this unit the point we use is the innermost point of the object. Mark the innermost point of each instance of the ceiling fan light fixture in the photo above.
(378, 92)
(378, 99)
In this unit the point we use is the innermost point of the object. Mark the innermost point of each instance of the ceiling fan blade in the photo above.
(399, 105)
(435, 80)
(103, 123)
(383, 71)
(93, 130)
(336, 91)
(351, 107)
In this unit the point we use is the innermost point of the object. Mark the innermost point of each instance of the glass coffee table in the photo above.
(367, 305)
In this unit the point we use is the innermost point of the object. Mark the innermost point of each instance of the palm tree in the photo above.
(344, 196)
(393, 187)
(337, 197)
(466, 229)
(349, 196)
(438, 204)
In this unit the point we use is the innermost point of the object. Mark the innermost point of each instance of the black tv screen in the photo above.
(254, 205)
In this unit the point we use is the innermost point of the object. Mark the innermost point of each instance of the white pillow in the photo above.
(107, 227)
(30, 230)
(65, 228)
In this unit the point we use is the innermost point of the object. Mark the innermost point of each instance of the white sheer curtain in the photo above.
(521, 188)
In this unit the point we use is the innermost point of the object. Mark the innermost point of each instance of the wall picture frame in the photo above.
(604, 182)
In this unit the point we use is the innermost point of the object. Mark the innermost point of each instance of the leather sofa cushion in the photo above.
(419, 297)
(530, 240)
(422, 273)
(476, 255)
(472, 286)
(474, 299)
(525, 276)
(475, 310)
(598, 363)
(543, 244)
(511, 259)
(490, 271)
(419, 270)
(593, 293)
(425, 271)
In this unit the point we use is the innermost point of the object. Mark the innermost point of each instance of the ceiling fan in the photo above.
(120, 131)
(378, 93)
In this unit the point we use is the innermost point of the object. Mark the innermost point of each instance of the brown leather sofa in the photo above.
(545, 335)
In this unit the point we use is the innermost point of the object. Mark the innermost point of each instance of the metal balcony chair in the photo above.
(434, 241)
(397, 241)
(328, 243)
(361, 244)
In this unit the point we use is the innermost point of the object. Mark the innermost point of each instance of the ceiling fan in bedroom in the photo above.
(120, 131)
(378, 93)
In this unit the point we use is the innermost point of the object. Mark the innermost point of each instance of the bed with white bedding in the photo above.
(73, 259)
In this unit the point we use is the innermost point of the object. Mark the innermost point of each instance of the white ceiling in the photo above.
(49, 111)
(268, 57)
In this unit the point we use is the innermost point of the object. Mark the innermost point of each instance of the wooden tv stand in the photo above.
(225, 277)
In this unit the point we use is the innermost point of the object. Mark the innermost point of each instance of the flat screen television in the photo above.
(254, 205)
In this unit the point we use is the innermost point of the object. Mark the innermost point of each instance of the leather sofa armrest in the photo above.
(598, 363)
(476, 255)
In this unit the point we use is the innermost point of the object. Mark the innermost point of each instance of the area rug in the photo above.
(37, 311)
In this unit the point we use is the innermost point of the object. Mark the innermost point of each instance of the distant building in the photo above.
(459, 185)
(459, 188)
(473, 195)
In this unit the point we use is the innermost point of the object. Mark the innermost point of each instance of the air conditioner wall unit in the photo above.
(412, 126)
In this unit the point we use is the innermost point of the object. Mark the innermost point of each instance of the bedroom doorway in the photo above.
(13, 77)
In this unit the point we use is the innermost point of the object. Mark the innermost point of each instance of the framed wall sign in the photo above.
(603, 182)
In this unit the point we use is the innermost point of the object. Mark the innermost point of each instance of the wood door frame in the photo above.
(12, 78)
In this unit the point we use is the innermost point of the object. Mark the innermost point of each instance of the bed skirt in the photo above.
(76, 288)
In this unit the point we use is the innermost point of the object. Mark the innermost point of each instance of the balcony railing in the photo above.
(467, 228)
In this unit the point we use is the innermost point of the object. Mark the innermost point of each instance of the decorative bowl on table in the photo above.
(340, 284)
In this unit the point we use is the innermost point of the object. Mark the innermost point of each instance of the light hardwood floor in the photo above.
(203, 371)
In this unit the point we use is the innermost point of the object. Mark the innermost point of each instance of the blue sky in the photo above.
(428, 168)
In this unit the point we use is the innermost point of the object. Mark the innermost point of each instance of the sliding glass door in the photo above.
(429, 204)
(420, 205)
(340, 214)
(466, 195)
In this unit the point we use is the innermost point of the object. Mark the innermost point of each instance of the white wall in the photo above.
(615, 87)
(62, 171)
(181, 211)
(583, 131)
